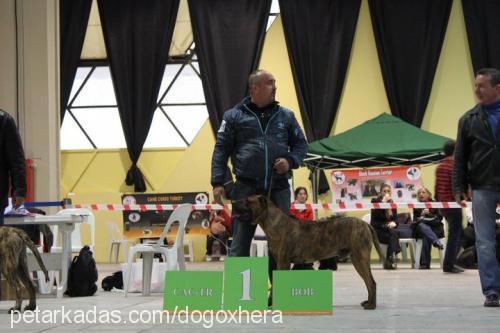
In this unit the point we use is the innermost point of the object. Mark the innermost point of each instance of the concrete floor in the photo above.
(408, 301)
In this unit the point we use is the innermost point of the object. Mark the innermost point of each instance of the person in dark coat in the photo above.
(428, 225)
(385, 224)
(12, 164)
(477, 164)
(264, 142)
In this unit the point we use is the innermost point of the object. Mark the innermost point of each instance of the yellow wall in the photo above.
(98, 177)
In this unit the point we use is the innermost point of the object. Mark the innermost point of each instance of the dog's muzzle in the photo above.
(242, 215)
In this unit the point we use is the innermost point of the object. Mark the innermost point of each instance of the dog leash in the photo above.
(270, 185)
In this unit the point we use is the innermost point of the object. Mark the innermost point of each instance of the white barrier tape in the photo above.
(334, 207)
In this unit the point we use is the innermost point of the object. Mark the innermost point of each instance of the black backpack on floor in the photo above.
(113, 281)
(82, 275)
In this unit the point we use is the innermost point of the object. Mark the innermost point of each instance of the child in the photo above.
(220, 231)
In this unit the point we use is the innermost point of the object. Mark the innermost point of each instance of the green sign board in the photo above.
(192, 290)
(245, 283)
(302, 292)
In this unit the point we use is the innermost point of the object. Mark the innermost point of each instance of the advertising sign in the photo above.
(151, 222)
(361, 185)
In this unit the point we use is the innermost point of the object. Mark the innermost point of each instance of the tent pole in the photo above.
(315, 185)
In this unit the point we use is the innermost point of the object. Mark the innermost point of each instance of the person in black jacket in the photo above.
(12, 164)
(428, 226)
(385, 224)
(264, 142)
(477, 163)
(12, 167)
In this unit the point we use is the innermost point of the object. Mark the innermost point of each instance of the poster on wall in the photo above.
(361, 185)
(139, 223)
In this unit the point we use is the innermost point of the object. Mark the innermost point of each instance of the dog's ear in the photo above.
(262, 200)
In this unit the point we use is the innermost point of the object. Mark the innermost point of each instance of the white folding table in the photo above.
(66, 225)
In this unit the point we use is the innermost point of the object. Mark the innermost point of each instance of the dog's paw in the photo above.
(14, 309)
(367, 305)
(30, 307)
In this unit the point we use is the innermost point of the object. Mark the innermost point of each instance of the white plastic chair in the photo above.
(52, 263)
(174, 255)
(259, 247)
(44, 287)
(188, 243)
(116, 240)
(418, 252)
(412, 244)
(76, 242)
(404, 242)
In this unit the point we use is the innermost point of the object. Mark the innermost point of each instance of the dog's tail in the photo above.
(376, 243)
(29, 243)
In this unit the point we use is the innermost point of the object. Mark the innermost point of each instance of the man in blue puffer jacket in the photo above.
(261, 138)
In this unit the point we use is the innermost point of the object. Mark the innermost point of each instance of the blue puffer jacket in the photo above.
(254, 149)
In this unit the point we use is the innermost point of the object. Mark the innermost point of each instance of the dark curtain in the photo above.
(482, 21)
(409, 35)
(73, 19)
(319, 36)
(228, 35)
(137, 35)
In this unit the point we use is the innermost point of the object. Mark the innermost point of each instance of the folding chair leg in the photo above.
(442, 253)
(418, 253)
(110, 252)
(117, 252)
(147, 270)
(126, 249)
(128, 273)
(413, 248)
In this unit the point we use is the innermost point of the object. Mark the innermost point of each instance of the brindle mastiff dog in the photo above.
(295, 241)
(13, 244)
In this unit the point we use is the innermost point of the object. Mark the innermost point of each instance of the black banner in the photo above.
(135, 220)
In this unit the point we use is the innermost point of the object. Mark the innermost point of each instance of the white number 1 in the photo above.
(246, 286)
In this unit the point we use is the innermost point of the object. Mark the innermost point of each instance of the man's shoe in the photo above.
(491, 301)
(424, 267)
(438, 245)
(389, 265)
(454, 270)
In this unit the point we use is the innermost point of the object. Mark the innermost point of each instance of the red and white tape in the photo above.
(334, 207)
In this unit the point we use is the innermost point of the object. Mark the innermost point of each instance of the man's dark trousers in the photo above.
(454, 218)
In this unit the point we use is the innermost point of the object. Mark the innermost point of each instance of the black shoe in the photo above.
(389, 265)
(424, 267)
(491, 301)
(454, 270)
(438, 245)
(390, 262)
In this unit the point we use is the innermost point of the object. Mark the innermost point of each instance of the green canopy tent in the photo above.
(382, 141)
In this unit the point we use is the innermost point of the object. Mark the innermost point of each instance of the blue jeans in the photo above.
(454, 218)
(484, 205)
(428, 238)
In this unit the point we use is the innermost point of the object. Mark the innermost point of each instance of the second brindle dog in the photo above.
(13, 244)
